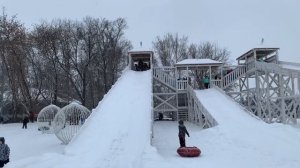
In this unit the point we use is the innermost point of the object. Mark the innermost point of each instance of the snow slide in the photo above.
(121, 119)
(239, 139)
(114, 136)
(225, 110)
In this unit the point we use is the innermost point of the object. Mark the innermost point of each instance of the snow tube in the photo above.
(189, 151)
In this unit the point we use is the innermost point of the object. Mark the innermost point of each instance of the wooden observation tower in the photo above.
(265, 86)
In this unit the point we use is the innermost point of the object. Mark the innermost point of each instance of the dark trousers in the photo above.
(3, 162)
(206, 85)
(182, 141)
(24, 125)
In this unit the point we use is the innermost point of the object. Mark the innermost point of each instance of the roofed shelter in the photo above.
(268, 55)
(140, 60)
(196, 69)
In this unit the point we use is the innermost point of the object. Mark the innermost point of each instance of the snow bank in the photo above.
(115, 135)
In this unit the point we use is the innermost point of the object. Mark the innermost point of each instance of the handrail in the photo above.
(197, 113)
(182, 84)
(164, 77)
(217, 82)
(232, 76)
(289, 63)
(244, 107)
(276, 68)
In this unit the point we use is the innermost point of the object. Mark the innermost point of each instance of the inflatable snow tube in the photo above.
(189, 151)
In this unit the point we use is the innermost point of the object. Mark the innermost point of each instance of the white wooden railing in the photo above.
(167, 79)
(271, 67)
(197, 113)
(217, 82)
(181, 84)
(233, 76)
(276, 68)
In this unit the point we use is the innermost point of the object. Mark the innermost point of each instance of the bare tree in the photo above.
(208, 50)
(13, 53)
(171, 48)
(46, 38)
(112, 49)
(213, 51)
(192, 51)
(62, 59)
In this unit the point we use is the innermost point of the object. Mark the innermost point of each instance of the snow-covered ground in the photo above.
(117, 135)
(26, 143)
(218, 150)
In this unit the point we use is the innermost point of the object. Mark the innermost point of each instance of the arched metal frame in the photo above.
(45, 118)
(69, 120)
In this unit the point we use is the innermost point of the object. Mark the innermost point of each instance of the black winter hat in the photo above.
(180, 122)
(2, 139)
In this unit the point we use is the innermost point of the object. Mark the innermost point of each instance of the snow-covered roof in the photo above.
(192, 62)
(140, 49)
(259, 52)
(138, 53)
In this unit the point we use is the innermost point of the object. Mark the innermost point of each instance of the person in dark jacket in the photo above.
(140, 65)
(160, 116)
(25, 121)
(182, 132)
(4, 152)
(206, 82)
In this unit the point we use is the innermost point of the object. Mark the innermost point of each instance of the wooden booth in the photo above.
(140, 60)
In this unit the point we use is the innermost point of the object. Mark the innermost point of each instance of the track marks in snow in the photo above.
(116, 150)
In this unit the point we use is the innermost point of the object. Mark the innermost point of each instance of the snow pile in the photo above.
(109, 137)
(240, 140)
(117, 136)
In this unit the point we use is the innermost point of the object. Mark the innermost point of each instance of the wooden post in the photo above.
(210, 76)
(130, 62)
(282, 110)
(257, 87)
(267, 76)
(298, 83)
(276, 57)
(293, 85)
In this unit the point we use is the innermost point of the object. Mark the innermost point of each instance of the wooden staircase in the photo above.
(164, 94)
(164, 78)
(234, 75)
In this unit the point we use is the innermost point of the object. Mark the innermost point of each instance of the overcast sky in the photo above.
(238, 25)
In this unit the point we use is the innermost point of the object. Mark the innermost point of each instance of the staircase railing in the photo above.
(165, 78)
(231, 77)
(182, 84)
(197, 113)
(276, 68)
(217, 82)
(272, 67)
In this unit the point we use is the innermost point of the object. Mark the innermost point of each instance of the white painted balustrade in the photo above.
(159, 74)
(197, 113)
(182, 84)
(232, 76)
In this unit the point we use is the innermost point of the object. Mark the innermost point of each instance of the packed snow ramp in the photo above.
(121, 119)
(223, 108)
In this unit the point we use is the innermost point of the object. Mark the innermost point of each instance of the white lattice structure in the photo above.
(46, 117)
(69, 120)
(267, 87)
